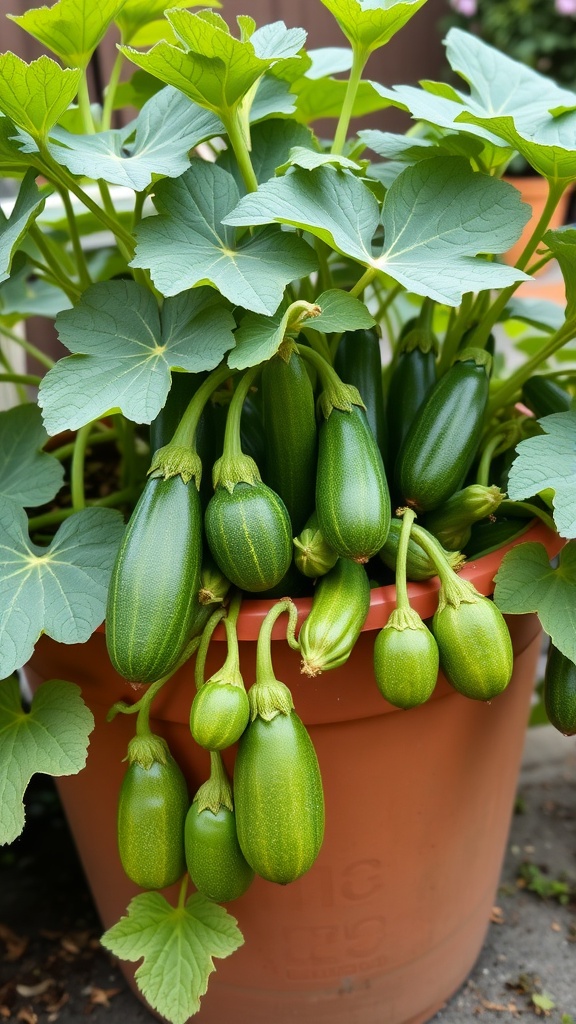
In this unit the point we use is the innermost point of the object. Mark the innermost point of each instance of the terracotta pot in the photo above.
(534, 191)
(392, 916)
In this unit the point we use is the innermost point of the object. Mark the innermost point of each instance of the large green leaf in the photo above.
(134, 15)
(188, 244)
(548, 461)
(156, 143)
(35, 95)
(125, 349)
(340, 311)
(177, 945)
(72, 29)
(29, 203)
(28, 475)
(429, 254)
(60, 589)
(51, 738)
(22, 296)
(562, 243)
(369, 24)
(319, 98)
(526, 582)
(272, 141)
(329, 60)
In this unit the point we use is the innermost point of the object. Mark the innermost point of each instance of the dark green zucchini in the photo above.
(412, 379)
(358, 362)
(249, 534)
(291, 440)
(153, 594)
(544, 396)
(352, 498)
(560, 691)
(443, 440)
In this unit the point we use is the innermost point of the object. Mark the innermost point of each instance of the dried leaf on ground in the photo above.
(15, 944)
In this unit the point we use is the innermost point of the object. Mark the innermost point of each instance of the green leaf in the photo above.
(37, 583)
(276, 42)
(340, 312)
(258, 338)
(215, 70)
(134, 15)
(35, 95)
(22, 296)
(178, 945)
(273, 99)
(543, 1001)
(188, 244)
(28, 476)
(369, 24)
(542, 313)
(549, 461)
(513, 101)
(300, 156)
(562, 243)
(428, 254)
(329, 60)
(411, 148)
(72, 29)
(13, 162)
(319, 98)
(29, 203)
(51, 738)
(156, 143)
(124, 351)
(526, 582)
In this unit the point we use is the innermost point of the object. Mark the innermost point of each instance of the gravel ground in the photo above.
(53, 969)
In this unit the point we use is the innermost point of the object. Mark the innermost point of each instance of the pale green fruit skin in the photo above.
(475, 648)
(406, 665)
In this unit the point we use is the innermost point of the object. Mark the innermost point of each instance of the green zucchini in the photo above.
(451, 523)
(152, 808)
(544, 396)
(560, 691)
(411, 380)
(339, 609)
(219, 715)
(405, 660)
(442, 442)
(352, 498)
(475, 647)
(278, 798)
(291, 440)
(153, 594)
(249, 534)
(313, 557)
(358, 362)
(214, 859)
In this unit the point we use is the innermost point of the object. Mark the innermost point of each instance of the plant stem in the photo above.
(66, 450)
(84, 105)
(185, 433)
(232, 439)
(108, 106)
(20, 378)
(83, 274)
(264, 667)
(366, 279)
(77, 470)
(359, 59)
(483, 474)
(183, 893)
(58, 515)
(238, 143)
(533, 511)
(555, 192)
(28, 347)
(509, 387)
(402, 601)
(202, 653)
(69, 287)
(454, 333)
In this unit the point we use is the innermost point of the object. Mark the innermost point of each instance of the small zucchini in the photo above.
(249, 534)
(475, 647)
(339, 609)
(352, 499)
(214, 859)
(442, 442)
(413, 377)
(278, 798)
(358, 362)
(560, 691)
(152, 808)
(153, 594)
(405, 660)
(291, 438)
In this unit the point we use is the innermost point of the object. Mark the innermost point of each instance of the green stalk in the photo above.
(186, 431)
(20, 378)
(183, 892)
(28, 347)
(77, 470)
(108, 107)
(507, 391)
(69, 287)
(366, 279)
(232, 439)
(454, 333)
(84, 105)
(264, 667)
(359, 60)
(205, 639)
(402, 601)
(238, 143)
(58, 515)
(483, 474)
(533, 511)
(85, 279)
(66, 450)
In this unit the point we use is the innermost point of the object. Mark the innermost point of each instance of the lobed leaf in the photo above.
(28, 476)
(29, 203)
(72, 29)
(36, 95)
(548, 461)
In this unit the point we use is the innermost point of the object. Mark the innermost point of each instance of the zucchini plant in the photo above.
(296, 365)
